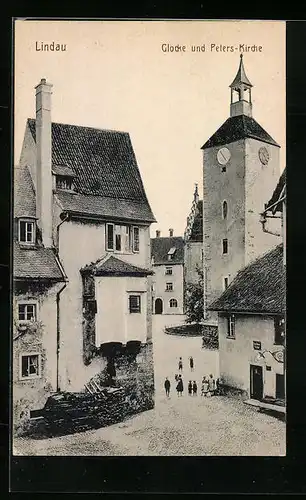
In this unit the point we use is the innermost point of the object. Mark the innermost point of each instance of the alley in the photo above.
(177, 426)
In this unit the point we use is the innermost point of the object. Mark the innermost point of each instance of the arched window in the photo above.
(173, 303)
(224, 209)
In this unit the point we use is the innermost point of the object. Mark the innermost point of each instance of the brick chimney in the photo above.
(43, 161)
(157, 234)
(171, 233)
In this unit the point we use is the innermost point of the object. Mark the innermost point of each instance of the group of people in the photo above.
(209, 386)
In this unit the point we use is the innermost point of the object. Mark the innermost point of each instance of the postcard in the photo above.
(149, 256)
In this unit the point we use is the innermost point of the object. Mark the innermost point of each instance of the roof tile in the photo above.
(236, 128)
(115, 267)
(161, 246)
(258, 288)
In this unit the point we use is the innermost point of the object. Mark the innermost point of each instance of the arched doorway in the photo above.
(158, 306)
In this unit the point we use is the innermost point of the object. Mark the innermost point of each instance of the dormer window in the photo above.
(26, 231)
(63, 182)
(64, 176)
(171, 253)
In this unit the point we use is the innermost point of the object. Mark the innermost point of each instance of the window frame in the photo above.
(63, 179)
(135, 250)
(110, 224)
(27, 220)
(171, 300)
(169, 289)
(224, 217)
(28, 355)
(138, 296)
(223, 242)
(169, 268)
(225, 286)
(27, 303)
(230, 326)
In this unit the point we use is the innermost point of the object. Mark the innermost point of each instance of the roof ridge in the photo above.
(85, 126)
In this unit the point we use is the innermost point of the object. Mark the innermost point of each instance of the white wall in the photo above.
(160, 279)
(236, 355)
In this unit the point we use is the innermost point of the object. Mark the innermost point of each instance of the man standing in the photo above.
(180, 386)
(180, 365)
(191, 363)
(167, 386)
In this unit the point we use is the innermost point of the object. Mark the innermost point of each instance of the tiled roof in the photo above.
(38, 262)
(277, 192)
(35, 263)
(161, 246)
(258, 288)
(115, 267)
(197, 226)
(236, 128)
(24, 197)
(113, 208)
(63, 170)
(103, 161)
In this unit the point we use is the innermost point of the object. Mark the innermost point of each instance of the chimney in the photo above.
(43, 161)
(171, 233)
(157, 234)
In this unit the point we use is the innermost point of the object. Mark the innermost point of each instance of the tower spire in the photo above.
(241, 104)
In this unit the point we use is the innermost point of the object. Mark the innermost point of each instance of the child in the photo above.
(190, 388)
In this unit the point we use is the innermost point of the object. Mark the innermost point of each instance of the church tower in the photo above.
(240, 169)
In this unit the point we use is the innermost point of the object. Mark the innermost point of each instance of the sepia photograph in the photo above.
(149, 228)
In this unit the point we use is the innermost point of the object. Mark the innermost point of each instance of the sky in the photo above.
(116, 75)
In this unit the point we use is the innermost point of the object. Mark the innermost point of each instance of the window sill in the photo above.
(230, 338)
(30, 377)
(24, 244)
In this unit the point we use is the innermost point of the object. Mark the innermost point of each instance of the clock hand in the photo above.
(221, 154)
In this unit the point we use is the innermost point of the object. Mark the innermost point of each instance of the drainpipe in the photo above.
(58, 325)
(58, 335)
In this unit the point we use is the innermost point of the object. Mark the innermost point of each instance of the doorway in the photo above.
(158, 306)
(256, 379)
(280, 386)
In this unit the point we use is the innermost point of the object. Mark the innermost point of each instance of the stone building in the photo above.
(240, 170)
(193, 238)
(168, 280)
(82, 265)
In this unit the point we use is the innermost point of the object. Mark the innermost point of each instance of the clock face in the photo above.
(264, 156)
(223, 156)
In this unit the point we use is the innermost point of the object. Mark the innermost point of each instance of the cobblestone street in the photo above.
(176, 426)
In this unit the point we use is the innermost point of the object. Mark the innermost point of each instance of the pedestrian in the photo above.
(205, 386)
(194, 388)
(180, 365)
(218, 388)
(190, 388)
(176, 377)
(180, 386)
(211, 385)
(167, 386)
(191, 363)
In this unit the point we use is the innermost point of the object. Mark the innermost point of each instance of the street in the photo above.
(190, 425)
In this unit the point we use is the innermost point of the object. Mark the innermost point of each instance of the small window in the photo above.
(127, 245)
(26, 312)
(224, 210)
(169, 287)
(231, 326)
(134, 304)
(26, 231)
(225, 282)
(63, 182)
(135, 239)
(173, 303)
(279, 331)
(30, 366)
(110, 236)
(168, 270)
(224, 246)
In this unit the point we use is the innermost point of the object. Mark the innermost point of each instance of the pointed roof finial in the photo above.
(241, 78)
